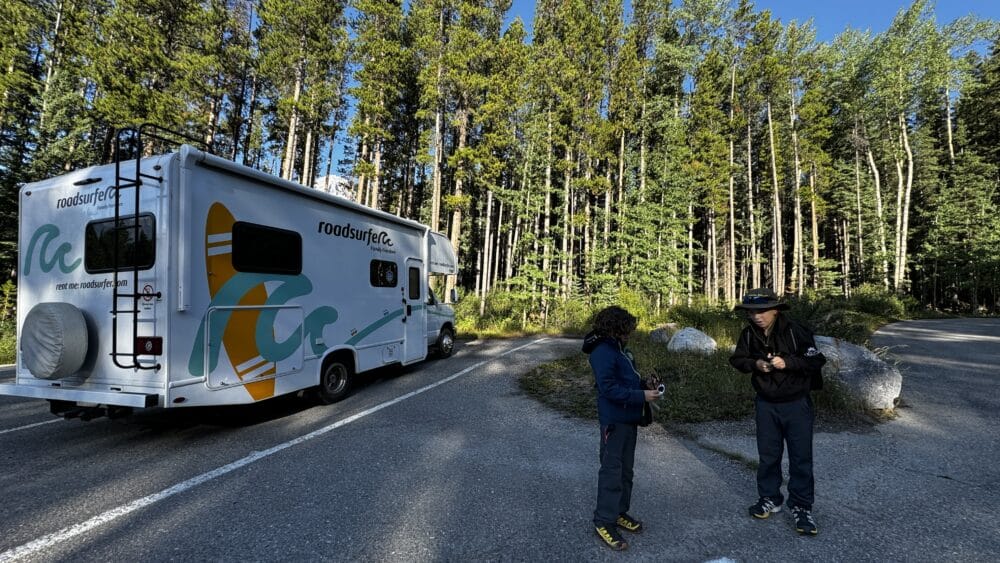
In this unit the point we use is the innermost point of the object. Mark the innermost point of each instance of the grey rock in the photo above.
(864, 375)
(662, 333)
(692, 340)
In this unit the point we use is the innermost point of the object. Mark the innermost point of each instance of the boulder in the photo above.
(865, 376)
(692, 340)
(662, 333)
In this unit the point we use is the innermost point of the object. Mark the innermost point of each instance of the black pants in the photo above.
(614, 481)
(779, 424)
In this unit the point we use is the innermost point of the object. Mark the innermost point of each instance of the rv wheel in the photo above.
(445, 342)
(334, 382)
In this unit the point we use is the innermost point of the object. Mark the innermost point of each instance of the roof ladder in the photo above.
(128, 266)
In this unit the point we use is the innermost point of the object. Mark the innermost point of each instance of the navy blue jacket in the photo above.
(620, 395)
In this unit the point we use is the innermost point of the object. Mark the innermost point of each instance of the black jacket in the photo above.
(796, 345)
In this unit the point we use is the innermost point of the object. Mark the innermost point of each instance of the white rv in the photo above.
(189, 280)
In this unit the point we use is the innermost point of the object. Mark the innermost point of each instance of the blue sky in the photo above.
(832, 16)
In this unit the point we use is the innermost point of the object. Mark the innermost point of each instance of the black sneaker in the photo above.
(610, 535)
(804, 523)
(764, 508)
(629, 524)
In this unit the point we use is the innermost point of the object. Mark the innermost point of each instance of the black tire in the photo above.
(334, 381)
(445, 343)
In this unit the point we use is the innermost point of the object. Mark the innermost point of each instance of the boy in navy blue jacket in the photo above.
(621, 399)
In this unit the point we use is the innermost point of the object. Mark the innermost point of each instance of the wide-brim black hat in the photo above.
(761, 299)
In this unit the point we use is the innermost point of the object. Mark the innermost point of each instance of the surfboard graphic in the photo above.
(238, 339)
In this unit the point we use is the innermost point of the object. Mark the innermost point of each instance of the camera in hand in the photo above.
(653, 382)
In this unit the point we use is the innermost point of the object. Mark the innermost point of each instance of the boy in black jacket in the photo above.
(784, 364)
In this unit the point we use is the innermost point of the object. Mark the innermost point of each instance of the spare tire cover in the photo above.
(53, 340)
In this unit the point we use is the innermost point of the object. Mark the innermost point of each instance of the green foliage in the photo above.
(8, 306)
(467, 319)
(571, 316)
(8, 317)
(453, 202)
(8, 347)
(504, 314)
(874, 300)
(853, 320)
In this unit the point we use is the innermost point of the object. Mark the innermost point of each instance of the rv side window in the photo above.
(266, 250)
(99, 244)
(383, 274)
(414, 284)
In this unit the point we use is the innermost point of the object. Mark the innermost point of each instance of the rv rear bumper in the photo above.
(139, 400)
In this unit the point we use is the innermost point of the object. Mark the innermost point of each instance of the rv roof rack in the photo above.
(135, 138)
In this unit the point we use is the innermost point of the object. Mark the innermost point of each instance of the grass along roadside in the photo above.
(699, 389)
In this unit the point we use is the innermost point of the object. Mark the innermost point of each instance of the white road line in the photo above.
(26, 426)
(71, 532)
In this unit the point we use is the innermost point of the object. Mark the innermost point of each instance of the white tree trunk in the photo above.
(291, 139)
(798, 253)
(901, 282)
(546, 215)
(751, 214)
(815, 228)
(947, 117)
(778, 243)
(564, 264)
(495, 247)
(880, 219)
(307, 160)
(376, 177)
(486, 253)
(690, 252)
(860, 220)
(731, 231)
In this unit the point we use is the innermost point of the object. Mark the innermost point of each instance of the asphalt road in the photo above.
(471, 469)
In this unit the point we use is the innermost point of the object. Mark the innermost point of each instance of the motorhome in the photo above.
(186, 279)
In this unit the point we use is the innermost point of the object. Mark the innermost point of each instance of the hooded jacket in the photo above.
(795, 344)
(620, 395)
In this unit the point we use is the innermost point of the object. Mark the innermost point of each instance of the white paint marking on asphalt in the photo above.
(27, 426)
(71, 532)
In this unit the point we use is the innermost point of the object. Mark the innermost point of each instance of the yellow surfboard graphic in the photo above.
(238, 338)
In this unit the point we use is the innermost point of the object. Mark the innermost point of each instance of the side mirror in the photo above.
(453, 295)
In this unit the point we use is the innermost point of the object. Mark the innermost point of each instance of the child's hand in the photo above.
(778, 362)
(652, 395)
(652, 381)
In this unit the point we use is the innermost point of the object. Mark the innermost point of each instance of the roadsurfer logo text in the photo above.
(369, 237)
(91, 198)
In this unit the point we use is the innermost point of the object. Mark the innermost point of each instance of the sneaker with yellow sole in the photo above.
(629, 524)
(611, 537)
(764, 507)
(804, 523)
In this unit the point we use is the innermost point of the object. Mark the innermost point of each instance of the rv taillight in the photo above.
(149, 345)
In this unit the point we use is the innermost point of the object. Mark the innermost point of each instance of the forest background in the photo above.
(652, 153)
